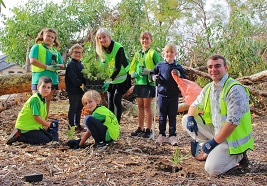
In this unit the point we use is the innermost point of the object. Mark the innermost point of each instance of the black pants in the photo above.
(167, 108)
(98, 130)
(115, 93)
(75, 109)
(35, 137)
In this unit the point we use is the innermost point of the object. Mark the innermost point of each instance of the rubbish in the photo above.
(33, 177)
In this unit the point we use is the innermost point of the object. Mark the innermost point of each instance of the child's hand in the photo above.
(176, 72)
(51, 68)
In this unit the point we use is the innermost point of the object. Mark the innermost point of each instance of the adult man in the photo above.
(225, 125)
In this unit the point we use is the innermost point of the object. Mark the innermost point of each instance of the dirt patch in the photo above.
(129, 161)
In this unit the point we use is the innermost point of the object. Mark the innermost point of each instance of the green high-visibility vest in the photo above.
(241, 138)
(110, 122)
(110, 64)
(25, 120)
(146, 61)
(42, 57)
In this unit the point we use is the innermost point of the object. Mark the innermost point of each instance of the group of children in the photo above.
(103, 123)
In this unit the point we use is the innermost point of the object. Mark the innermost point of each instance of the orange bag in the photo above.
(189, 89)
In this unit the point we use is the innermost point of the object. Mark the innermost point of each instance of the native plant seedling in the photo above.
(177, 159)
(71, 132)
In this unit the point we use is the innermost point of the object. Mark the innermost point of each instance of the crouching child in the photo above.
(102, 124)
(31, 126)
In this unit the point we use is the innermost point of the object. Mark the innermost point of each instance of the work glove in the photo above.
(54, 124)
(105, 86)
(144, 71)
(56, 67)
(176, 72)
(209, 146)
(51, 68)
(73, 144)
(53, 130)
(134, 75)
(155, 78)
(192, 124)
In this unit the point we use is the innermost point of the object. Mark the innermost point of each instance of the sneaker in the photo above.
(147, 134)
(161, 139)
(101, 145)
(173, 140)
(139, 132)
(13, 137)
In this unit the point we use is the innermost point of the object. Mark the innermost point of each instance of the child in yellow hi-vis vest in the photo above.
(102, 124)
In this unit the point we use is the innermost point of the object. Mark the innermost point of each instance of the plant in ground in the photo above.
(71, 132)
(177, 159)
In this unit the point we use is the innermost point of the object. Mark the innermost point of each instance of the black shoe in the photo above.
(13, 137)
(148, 133)
(244, 162)
(79, 128)
(139, 132)
(101, 145)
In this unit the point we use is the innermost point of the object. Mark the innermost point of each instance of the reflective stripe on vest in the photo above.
(110, 62)
(241, 138)
(240, 141)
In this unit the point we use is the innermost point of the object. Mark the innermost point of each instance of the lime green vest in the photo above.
(25, 120)
(111, 121)
(241, 138)
(42, 57)
(110, 62)
(146, 61)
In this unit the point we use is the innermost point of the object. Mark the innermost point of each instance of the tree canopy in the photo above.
(233, 28)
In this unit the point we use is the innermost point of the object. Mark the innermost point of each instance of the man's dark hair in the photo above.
(44, 79)
(218, 56)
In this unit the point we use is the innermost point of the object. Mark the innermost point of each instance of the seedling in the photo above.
(177, 158)
(71, 132)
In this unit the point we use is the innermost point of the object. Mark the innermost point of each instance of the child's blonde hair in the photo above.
(91, 94)
(99, 47)
(75, 46)
(170, 46)
(145, 34)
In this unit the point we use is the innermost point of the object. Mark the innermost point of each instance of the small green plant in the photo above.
(177, 157)
(71, 132)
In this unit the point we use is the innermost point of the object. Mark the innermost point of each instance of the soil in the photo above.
(129, 161)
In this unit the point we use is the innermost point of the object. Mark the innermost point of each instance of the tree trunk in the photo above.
(19, 83)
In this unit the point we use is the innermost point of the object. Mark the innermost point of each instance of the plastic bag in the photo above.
(189, 89)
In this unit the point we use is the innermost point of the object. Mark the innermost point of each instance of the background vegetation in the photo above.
(234, 28)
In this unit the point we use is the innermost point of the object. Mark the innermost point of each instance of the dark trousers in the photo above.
(167, 107)
(115, 93)
(75, 109)
(98, 130)
(35, 137)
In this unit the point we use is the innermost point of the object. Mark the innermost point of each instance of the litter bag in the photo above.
(189, 89)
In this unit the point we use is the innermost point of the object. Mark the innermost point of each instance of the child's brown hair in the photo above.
(145, 35)
(40, 36)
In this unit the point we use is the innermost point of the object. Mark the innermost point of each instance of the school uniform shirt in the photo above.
(167, 86)
(74, 77)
